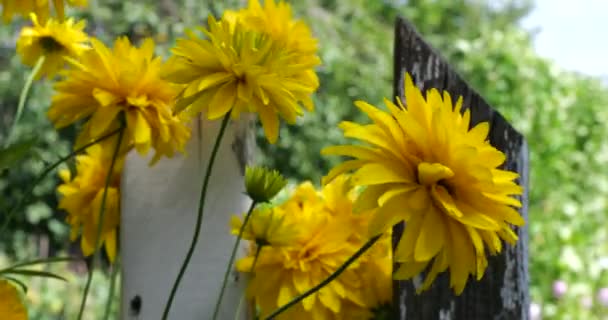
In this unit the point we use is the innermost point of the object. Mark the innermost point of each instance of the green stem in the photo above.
(231, 261)
(46, 171)
(255, 261)
(199, 218)
(115, 270)
(23, 96)
(329, 279)
(102, 211)
(38, 261)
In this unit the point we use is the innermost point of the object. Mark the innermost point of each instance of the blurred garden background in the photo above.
(562, 113)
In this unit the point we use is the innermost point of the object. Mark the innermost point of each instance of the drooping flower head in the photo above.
(54, 40)
(424, 166)
(41, 8)
(237, 69)
(322, 242)
(109, 87)
(11, 305)
(82, 195)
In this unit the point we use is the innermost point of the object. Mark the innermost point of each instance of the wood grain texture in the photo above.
(503, 291)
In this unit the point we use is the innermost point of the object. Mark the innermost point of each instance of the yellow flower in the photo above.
(324, 242)
(239, 70)
(276, 19)
(39, 7)
(11, 305)
(425, 167)
(267, 226)
(54, 40)
(82, 197)
(108, 87)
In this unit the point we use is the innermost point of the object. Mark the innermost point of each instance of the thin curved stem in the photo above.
(199, 218)
(231, 261)
(23, 96)
(329, 279)
(48, 170)
(102, 212)
(255, 261)
(115, 270)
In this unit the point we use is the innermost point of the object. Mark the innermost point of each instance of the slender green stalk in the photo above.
(255, 261)
(38, 261)
(102, 212)
(329, 279)
(199, 218)
(231, 261)
(23, 97)
(115, 270)
(46, 171)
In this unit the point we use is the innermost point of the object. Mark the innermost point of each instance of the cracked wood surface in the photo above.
(503, 291)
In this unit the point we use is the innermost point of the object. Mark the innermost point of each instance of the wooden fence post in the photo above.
(503, 291)
(159, 208)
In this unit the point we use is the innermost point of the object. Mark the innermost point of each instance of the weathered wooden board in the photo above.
(503, 291)
(159, 208)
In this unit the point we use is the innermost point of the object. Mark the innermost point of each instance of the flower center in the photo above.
(432, 173)
(50, 45)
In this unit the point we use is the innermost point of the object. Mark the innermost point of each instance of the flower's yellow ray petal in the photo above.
(431, 238)
(223, 101)
(375, 173)
(407, 270)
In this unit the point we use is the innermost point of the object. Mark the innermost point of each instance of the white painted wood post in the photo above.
(159, 208)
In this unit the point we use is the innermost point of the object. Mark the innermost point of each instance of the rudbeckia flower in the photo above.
(236, 69)
(41, 8)
(324, 241)
(82, 195)
(423, 165)
(267, 226)
(109, 87)
(54, 40)
(11, 305)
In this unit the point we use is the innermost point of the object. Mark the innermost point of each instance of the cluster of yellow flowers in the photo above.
(419, 162)
(301, 242)
(111, 89)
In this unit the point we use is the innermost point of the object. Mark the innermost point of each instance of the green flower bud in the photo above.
(262, 184)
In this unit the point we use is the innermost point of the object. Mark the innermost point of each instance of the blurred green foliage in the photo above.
(561, 113)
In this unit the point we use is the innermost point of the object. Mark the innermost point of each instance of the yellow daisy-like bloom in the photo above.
(41, 8)
(82, 196)
(324, 242)
(121, 85)
(277, 21)
(236, 69)
(54, 40)
(11, 305)
(267, 226)
(425, 167)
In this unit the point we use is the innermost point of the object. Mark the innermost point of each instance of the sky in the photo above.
(572, 33)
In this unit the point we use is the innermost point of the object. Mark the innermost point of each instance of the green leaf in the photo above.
(39, 261)
(15, 152)
(35, 273)
(18, 282)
